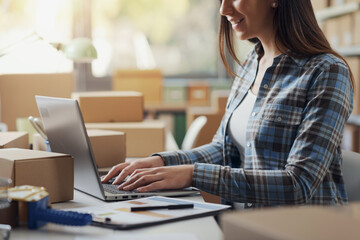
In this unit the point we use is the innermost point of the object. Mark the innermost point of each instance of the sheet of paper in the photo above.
(119, 212)
(165, 236)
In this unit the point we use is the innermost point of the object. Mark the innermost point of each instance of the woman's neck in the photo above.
(271, 50)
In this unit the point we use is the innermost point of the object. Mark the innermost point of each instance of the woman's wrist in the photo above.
(158, 161)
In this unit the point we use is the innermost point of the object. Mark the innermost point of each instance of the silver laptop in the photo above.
(65, 128)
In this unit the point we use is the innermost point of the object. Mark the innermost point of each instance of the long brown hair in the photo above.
(296, 29)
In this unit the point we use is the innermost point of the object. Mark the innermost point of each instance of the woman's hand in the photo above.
(125, 169)
(150, 179)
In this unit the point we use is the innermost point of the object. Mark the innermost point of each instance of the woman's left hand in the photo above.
(159, 178)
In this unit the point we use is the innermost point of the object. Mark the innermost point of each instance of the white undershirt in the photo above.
(237, 127)
(238, 122)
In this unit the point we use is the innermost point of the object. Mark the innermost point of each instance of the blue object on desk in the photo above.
(39, 214)
(48, 149)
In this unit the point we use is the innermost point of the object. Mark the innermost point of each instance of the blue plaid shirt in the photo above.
(292, 153)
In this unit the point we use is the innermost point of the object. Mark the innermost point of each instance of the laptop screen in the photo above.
(66, 133)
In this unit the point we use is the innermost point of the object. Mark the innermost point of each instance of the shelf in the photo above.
(337, 11)
(349, 51)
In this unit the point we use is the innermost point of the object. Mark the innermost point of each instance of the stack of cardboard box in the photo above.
(123, 111)
(147, 82)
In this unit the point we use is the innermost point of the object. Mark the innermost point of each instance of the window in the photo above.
(180, 36)
(26, 28)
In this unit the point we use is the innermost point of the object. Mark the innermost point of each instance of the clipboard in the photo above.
(119, 217)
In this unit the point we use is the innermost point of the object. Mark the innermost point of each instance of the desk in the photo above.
(203, 228)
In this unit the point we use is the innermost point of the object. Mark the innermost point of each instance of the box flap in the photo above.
(15, 154)
(128, 125)
(7, 137)
(6, 168)
(99, 132)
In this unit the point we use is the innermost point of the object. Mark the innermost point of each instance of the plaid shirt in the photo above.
(292, 154)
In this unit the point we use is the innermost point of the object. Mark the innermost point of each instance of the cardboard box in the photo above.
(213, 122)
(14, 140)
(54, 171)
(317, 222)
(214, 115)
(109, 147)
(111, 106)
(354, 63)
(351, 138)
(198, 94)
(219, 100)
(175, 94)
(17, 93)
(148, 82)
(142, 138)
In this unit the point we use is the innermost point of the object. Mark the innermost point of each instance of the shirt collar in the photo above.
(300, 61)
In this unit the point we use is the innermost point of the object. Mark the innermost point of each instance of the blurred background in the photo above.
(172, 45)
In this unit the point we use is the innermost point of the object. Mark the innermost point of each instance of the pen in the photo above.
(170, 207)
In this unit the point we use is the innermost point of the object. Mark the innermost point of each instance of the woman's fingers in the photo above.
(124, 173)
(142, 181)
(153, 186)
(115, 170)
(138, 173)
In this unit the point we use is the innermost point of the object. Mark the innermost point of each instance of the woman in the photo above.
(279, 140)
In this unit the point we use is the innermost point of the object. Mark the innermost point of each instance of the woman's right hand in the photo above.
(127, 168)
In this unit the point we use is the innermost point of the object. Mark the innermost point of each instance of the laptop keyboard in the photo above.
(108, 187)
(114, 190)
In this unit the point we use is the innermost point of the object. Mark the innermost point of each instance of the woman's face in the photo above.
(250, 18)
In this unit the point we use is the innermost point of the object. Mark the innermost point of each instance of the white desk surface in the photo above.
(204, 228)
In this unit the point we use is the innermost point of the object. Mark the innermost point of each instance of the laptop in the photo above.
(66, 132)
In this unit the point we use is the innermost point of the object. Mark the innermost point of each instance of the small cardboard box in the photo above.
(142, 138)
(14, 140)
(148, 82)
(54, 171)
(317, 222)
(17, 93)
(198, 94)
(111, 106)
(175, 93)
(109, 147)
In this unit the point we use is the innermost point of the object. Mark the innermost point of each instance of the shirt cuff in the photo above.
(168, 158)
(206, 177)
